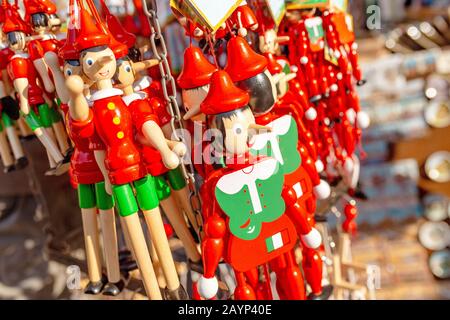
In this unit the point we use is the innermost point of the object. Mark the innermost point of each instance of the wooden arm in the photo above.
(153, 133)
(60, 82)
(78, 105)
(42, 69)
(21, 86)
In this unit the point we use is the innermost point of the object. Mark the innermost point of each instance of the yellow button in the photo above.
(111, 106)
(120, 134)
(116, 120)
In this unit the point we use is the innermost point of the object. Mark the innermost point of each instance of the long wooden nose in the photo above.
(258, 127)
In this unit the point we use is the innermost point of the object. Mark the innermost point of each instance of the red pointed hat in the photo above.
(223, 95)
(197, 70)
(38, 6)
(243, 63)
(13, 21)
(68, 51)
(129, 24)
(89, 34)
(120, 50)
(116, 28)
(144, 28)
(2, 14)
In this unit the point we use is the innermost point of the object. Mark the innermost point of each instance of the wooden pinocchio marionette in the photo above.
(194, 82)
(115, 122)
(165, 180)
(125, 79)
(37, 14)
(284, 142)
(9, 110)
(250, 71)
(23, 74)
(94, 201)
(251, 216)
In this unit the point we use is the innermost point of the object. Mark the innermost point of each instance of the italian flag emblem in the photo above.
(277, 241)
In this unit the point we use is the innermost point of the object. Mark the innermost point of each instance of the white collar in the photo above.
(106, 93)
(133, 97)
(142, 83)
(20, 55)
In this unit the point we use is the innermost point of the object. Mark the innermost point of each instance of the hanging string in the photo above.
(211, 49)
(230, 30)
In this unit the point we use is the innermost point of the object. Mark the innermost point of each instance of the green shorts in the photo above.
(56, 116)
(144, 196)
(162, 187)
(32, 120)
(45, 115)
(44, 119)
(176, 179)
(7, 121)
(94, 196)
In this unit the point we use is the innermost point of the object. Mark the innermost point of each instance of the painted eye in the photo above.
(69, 72)
(237, 128)
(128, 68)
(89, 62)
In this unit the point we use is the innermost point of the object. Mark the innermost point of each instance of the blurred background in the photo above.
(403, 222)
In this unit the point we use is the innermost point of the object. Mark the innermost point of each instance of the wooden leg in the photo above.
(49, 144)
(159, 240)
(24, 129)
(157, 265)
(143, 260)
(92, 244)
(14, 141)
(176, 219)
(61, 136)
(5, 150)
(182, 197)
(51, 160)
(110, 246)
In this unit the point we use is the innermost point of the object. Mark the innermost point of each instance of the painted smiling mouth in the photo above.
(104, 74)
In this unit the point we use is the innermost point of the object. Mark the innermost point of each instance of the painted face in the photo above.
(70, 69)
(268, 41)
(235, 130)
(293, 16)
(99, 65)
(17, 41)
(124, 76)
(192, 100)
(54, 23)
(263, 92)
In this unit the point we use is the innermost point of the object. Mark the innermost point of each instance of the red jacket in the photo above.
(83, 166)
(21, 66)
(141, 109)
(113, 122)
